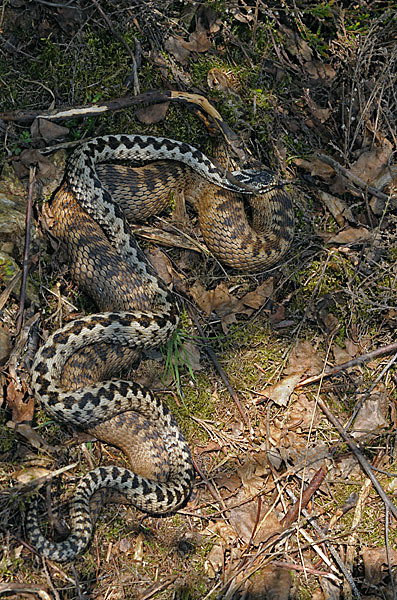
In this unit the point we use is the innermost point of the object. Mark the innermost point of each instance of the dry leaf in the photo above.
(316, 167)
(350, 235)
(272, 583)
(280, 392)
(372, 416)
(337, 207)
(295, 44)
(138, 548)
(30, 474)
(318, 70)
(153, 113)
(321, 114)
(191, 355)
(215, 560)
(375, 563)
(42, 128)
(124, 545)
(250, 480)
(259, 297)
(22, 412)
(245, 519)
(304, 358)
(372, 162)
(5, 344)
(161, 264)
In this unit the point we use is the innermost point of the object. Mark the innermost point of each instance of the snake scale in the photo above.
(75, 372)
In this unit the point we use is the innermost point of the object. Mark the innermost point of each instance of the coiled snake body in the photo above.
(73, 373)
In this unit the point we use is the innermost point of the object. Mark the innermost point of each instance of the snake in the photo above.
(79, 373)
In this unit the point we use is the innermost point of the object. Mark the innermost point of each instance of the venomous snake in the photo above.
(74, 372)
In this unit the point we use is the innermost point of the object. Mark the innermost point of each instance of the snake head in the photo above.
(260, 181)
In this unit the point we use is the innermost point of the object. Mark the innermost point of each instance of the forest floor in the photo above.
(296, 477)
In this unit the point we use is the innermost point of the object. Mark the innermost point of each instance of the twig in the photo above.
(352, 539)
(369, 391)
(365, 465)
(218, 367)
(32, 180)
(357, 180)
(158, 588)
(305, 498)
(350, 363)
(330, 548)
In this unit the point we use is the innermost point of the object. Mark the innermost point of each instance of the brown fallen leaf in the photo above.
(272, 582)
(320, 71)
(316, 167)
(372, 162)
(215, 561)
(372, 416)
(375, 563)
(22, 412)
(350, 235)
(152, 114)
(321, 114)
(337, 207)
(161, 264)
(296, 45)
(280, 392)
(260, 295)
(226, 306)
(245, 521)
(47, 130)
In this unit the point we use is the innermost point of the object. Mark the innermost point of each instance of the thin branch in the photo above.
(32, 180)
(365, 465)
(356, 180)
(350, 363)
(218, 367)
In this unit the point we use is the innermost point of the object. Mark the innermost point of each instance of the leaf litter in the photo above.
(289, 440)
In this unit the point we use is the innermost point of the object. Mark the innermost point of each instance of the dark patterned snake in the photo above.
(74, 373)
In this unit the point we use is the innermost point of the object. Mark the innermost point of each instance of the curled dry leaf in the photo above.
(271, 582)
(22, 412)
(296, 45)
(30, 474)
(215, 560)
(227, 306)
(320, 71)
(5, 344)
(47, 130)
(250, 479)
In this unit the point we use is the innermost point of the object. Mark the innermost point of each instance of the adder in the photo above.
(74, 372)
